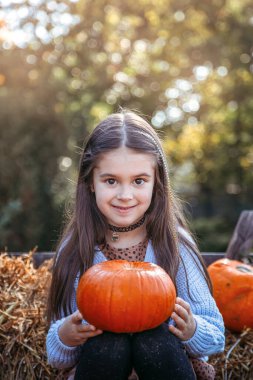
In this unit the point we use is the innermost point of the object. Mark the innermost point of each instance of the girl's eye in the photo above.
(139, 181)
(110, 181)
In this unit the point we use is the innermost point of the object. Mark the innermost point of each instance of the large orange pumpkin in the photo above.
(233, 291)
(122, 296)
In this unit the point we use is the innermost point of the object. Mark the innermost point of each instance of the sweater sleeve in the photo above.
(60, 355)
(209, 336)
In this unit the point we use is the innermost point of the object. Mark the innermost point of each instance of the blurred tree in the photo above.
(215, 146)
(66, 65)
(32, 138)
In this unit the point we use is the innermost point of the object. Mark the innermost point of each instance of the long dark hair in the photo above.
(87, 226)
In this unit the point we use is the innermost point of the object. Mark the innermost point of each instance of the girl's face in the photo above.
(123, 182)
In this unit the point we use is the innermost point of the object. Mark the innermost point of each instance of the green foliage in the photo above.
(212, 234)
(186, 65)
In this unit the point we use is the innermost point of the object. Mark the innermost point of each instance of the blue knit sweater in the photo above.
(208, 338)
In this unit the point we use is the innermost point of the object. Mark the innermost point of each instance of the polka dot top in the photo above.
(135, 253)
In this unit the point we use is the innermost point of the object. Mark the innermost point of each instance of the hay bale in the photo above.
(23, 328)
(22, 319)
(236, 362)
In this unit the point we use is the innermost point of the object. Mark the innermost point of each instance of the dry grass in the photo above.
(237, 360)
(22, 320)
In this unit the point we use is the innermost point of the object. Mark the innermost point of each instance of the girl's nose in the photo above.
(125, 193)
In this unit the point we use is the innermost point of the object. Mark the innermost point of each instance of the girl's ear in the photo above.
(92, 188)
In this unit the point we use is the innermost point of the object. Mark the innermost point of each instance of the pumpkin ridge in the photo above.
(115, 277)
(140, 315)
(157, 282)
(166, 307)
(127, 299)
(143, 320)
(95, 300)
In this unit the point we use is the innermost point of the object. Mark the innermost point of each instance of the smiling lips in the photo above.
(123, 208)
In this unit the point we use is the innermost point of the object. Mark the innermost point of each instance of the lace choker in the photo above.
(115, 235)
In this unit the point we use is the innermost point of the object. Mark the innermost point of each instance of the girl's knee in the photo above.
(158, 354)
(106, 356)
(156, 344)
(107, 346)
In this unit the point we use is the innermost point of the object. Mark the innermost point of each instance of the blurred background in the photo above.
(64, 65)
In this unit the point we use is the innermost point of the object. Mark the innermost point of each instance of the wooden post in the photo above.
(242, 238)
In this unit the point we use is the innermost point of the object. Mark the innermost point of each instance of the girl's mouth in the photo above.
(123, 208)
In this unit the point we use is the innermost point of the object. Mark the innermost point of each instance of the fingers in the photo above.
(73, 332)
(174, 330)
(87, 329)
(89, 334)
(184, 304)
(181, 313)
(180, 327)
(179, 320)
(86, 333)
(76, 317)
(184, 320)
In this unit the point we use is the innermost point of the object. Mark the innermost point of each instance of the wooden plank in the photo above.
(40, 257)
(210, 257)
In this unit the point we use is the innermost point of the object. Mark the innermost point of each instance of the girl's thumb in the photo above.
(77, 317)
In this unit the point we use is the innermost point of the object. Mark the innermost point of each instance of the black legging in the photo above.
(154, 354)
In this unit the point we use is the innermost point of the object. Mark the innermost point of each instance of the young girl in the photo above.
(125, 209)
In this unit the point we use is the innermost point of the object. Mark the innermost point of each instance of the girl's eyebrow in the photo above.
(113, 175)
(143, 175)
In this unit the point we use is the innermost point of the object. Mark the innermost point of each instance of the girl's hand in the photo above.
(73, 333)
(185, 322)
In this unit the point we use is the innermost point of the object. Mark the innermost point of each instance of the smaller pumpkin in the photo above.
(233, 292)
(122, 296)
